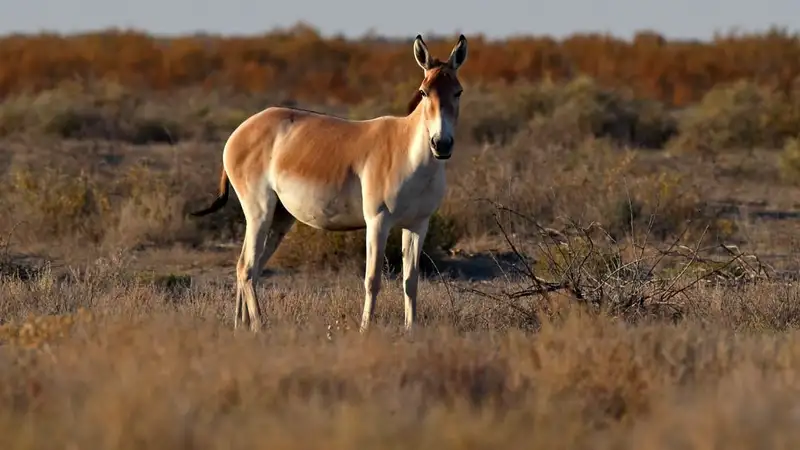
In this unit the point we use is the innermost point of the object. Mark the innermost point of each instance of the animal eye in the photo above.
(458, 94)
(423, 93)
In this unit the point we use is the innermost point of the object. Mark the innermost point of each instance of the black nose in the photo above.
(441, 147)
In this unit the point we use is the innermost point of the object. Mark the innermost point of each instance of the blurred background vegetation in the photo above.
(114, 136)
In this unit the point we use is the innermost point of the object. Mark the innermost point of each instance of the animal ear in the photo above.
(459, 53)
(421, 53)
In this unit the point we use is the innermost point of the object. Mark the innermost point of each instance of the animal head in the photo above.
(438, 95)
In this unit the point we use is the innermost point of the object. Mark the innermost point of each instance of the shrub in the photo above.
(107, 111)
(789, 161)
(137, 207)
(98, 111)
(740, 115)
(546, 182)
(58, 204)
(593, 181)
(566, 114)
(152, 213)
(664, 205)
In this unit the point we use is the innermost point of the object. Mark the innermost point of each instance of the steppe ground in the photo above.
(674, 325)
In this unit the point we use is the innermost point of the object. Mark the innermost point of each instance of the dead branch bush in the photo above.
(639, 278)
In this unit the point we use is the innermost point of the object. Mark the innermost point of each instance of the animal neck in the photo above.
(419, 148)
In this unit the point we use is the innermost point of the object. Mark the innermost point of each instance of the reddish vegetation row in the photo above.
(303, 65)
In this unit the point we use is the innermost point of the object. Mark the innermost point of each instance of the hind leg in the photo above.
(240, 312)
(259, 214)
(282, 222)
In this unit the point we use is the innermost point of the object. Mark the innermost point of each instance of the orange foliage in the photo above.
(298, 62)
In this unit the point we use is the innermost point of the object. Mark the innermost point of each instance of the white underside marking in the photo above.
(317, 206)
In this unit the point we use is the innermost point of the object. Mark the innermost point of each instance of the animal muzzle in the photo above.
(442, 148)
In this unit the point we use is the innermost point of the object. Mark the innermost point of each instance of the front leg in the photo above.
(377, 233)
(413, 238)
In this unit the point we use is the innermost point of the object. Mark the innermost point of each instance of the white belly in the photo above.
(342, 209)
(320, 207)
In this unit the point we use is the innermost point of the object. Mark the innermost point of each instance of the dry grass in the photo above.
(124, 340)
(123, 363)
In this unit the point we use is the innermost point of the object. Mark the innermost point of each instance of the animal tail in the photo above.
(222, 199)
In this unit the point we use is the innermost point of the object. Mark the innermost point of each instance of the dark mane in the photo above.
(412, 104)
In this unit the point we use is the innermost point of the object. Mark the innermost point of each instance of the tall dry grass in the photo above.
(104, 359)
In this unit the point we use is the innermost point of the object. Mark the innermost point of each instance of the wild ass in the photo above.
(334, 174)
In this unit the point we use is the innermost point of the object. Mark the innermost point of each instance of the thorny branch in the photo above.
(597, 273)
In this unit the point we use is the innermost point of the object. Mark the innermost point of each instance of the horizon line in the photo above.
(371, 34)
